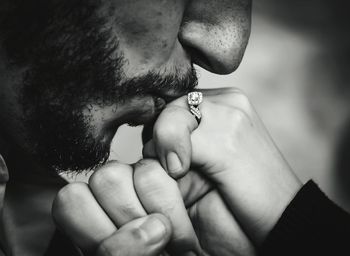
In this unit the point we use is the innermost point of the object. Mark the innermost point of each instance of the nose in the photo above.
(215, 33)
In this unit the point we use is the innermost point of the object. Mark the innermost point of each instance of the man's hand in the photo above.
(114, 213)
(232, 148)
(118, 194)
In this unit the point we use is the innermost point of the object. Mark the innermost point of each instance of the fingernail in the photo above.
(155, 230)
(173, 163)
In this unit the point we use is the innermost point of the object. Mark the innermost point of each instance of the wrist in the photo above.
(280, 197)
(258, 201)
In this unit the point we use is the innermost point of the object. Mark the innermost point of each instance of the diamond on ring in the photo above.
(194, 99)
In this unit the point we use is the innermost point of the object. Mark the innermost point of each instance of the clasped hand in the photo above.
(213, 189)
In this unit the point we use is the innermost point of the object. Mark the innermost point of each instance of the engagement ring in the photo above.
(194, 99)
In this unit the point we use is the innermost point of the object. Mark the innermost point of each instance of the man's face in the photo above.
(73, 71)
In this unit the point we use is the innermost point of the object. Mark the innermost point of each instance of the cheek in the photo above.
(148, 29)
(11, 109)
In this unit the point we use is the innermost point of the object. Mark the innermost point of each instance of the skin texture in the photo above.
(73, 75)
(201, 221)
(232, 148)
(70, 76)
(234, 195)
(72, 72)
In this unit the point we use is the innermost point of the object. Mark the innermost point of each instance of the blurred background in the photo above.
(295, 72)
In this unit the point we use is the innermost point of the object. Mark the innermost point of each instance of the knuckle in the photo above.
(233, 90)
(239, 99)
(231, 115)
(150, 174)
(148, 170)
(112, 174)
(127, 208)
(67, 196)
(139, 235)
(165, 131)
(237, 116)
(71, 192)
(106, 248)
(147, 165)
(166, 128)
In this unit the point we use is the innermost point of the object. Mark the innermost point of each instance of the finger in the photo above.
(146, 236)
(171, 136)
(77, 213)
(210, 141)
(193, 186)
(113, 187)
(159, 193)
(171, 132)
(217, 225)
(220, 95)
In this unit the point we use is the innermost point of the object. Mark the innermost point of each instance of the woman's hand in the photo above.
(232, 148)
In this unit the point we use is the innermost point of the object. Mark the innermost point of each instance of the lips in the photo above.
(135, 111)
(167, 95)
(146, 109)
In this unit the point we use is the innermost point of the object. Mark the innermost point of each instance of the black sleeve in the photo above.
(311, 225)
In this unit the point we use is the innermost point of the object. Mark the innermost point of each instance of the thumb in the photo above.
(146, 236)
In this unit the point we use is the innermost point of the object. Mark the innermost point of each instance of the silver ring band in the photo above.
(194, 99)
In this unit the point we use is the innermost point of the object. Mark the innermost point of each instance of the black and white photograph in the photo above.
(174, 128)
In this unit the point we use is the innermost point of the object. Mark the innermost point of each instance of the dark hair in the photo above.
(25, 24)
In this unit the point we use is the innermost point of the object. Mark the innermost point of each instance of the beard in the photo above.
(61, 135)
(73, 62)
